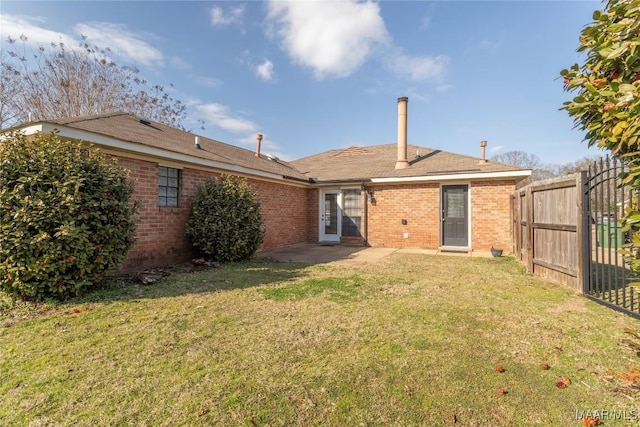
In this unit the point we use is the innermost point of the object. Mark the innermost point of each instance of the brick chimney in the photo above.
(402, 162)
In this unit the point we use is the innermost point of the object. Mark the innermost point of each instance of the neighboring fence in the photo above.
(567, 230)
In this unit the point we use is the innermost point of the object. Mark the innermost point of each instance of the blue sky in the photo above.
(313, 76)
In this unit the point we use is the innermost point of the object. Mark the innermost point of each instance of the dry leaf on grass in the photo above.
(590, 421)
(563, 382)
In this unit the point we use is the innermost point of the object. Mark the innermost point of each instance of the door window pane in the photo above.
(331, 213)
(351, 213)
(455, 204)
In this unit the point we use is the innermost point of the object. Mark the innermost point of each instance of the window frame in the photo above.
(168, 187)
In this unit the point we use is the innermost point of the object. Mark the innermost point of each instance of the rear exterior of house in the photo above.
(377, 195)
(403, 195)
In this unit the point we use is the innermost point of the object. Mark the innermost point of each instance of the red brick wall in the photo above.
(285, 213)
(160, 238)
(419, 204)
(491, 214)
(313, 211)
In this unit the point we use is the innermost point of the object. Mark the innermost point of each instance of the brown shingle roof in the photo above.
(378, 161)
(353, 163)
(128, 127)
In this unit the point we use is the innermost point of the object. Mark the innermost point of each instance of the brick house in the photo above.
(376, 195)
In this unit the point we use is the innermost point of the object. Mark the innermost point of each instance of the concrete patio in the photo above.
(311, 253)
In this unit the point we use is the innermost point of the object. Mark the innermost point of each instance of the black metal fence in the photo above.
(607, 277)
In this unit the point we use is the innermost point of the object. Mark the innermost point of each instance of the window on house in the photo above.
(168, 184)
(351, 213)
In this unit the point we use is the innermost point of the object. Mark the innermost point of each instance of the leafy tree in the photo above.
(607, 104)
(607, 89)
(66, 218)
(59, 81)
(225, 222)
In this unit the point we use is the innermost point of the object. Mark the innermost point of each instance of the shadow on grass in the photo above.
(177, 281)
(610, 283)
(240, 275)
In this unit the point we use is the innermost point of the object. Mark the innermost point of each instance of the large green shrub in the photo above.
(225, 222)
(606, 105)
(66, 218)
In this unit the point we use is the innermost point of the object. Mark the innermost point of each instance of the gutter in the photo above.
(293, 178)
(453, 177)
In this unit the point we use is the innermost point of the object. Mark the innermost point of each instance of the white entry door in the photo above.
(330, 216)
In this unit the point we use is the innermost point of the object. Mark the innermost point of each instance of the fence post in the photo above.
(530, 231)
(584, 233)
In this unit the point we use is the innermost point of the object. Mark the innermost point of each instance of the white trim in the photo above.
(144, 149)
(453, 177)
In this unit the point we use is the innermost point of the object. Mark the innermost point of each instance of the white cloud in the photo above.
(180, 63)
(14, 26)
(265, 70)
(443, 88)
(123, 43)
(220, 116)
(209, 82)
(495, 149)
(128, 45)
(333, 38)
(426, 22)
(219, 18)
(267, 146)
(417, 67)
(491, 45)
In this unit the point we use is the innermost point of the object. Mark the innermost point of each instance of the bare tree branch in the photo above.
(59, 81)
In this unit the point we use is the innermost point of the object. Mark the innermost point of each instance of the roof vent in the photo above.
(197, 143)
(483, 159)
(271, 157)
(259, 141)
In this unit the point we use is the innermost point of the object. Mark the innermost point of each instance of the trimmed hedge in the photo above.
(225, 222)
(66, 216)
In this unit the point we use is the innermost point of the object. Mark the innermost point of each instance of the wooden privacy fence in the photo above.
(548, 228)
(568, 230)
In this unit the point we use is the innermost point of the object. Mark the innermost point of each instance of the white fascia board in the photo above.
(453, 177)
(107, 141)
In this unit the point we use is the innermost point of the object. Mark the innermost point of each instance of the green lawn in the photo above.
(411, 340)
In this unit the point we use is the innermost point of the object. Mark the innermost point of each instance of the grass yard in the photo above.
(410, 341)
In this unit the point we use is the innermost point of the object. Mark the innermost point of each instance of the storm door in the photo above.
(455, 215)
(330, 216)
